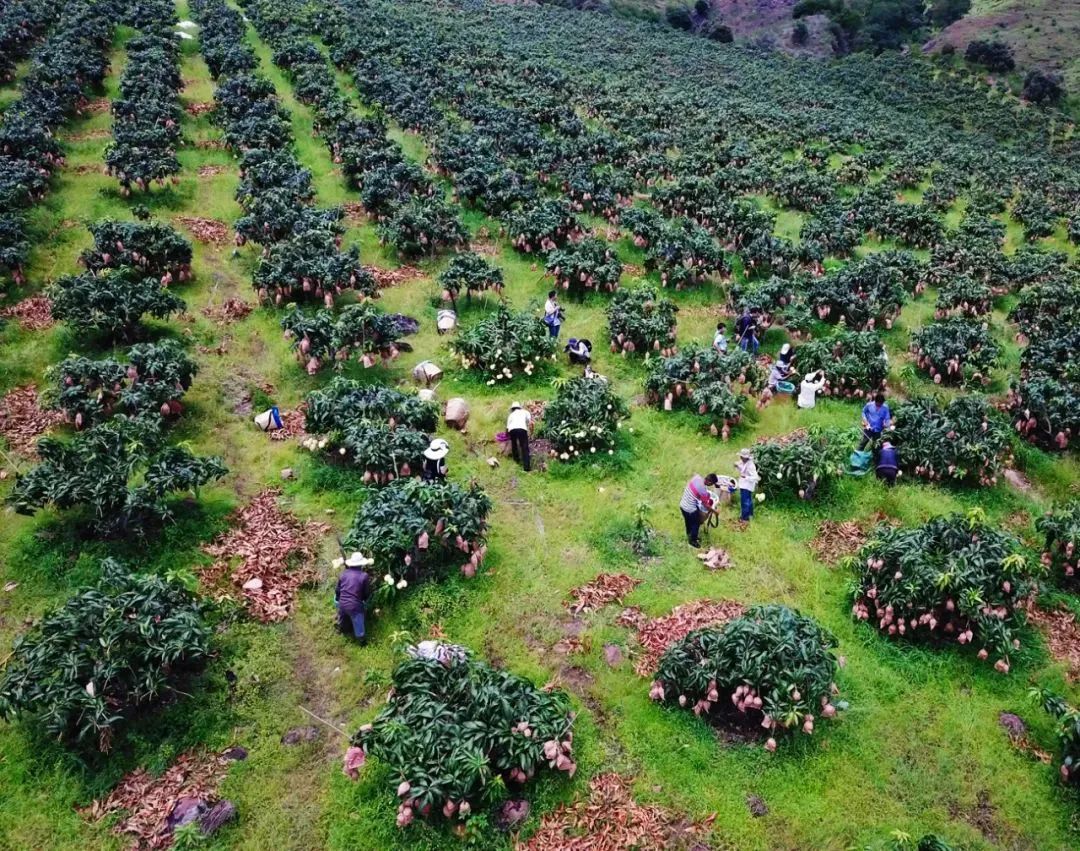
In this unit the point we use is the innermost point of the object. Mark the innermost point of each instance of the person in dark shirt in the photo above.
(888, 464)
(352, 594)
(434, 469)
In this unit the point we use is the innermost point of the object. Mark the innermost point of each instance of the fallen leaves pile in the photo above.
(784, 439)
(657, 634)
(33, 314)
(606, 588)
(354, 210)
(231, 310)
(199, 107)
(392, 277)
(836, 539)
(715, 558)
(22, 421)
(611, 820)
(536, 408)
(1062, 635)
(276, 553)
(209, 231)
(211, 170)
(292, 424)
(148, 801)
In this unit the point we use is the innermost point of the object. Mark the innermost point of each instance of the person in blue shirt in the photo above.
(876, 417)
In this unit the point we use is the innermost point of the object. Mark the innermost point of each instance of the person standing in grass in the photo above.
(720, 340)
(695, 499)
(811, 385)
(351, 596)
(553, 313)
(747, 483)
(746, 329)
(876, 417)
(518, 424)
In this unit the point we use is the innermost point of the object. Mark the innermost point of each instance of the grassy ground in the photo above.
(920, 749)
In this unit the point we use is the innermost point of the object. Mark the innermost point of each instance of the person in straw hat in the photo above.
(352, 594)
(434, 469)
(748, 480)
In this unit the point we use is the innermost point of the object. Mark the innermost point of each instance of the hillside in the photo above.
(1042, 33)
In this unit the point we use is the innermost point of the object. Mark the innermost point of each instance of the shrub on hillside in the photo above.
(854, 362)
(772, 668)
(418, 531)
(801, 462)
(90, 665)
(344, 401)
(964, 440)
(120, 472)
(583, 419)
(322, 337)
(111, 303)
(954, 578)
(151, 247)
(641, 321)
(153, 381)
(702, 379)
(587, 266)
(455, 730)
(1068, 719)
(504, 344)
(957, 350)
(469, 273)
(1061, 528)
(993, 55)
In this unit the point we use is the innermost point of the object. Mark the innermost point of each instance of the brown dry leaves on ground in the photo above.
(611, 820)
(836, 539)
(606, 588)
(1062, 635)
(231, 310)
(211, 170)
(276, 553)
(292, 424)
(386, 278)
(208, 231)
(148, 800)
(22, 421)
(199, 107)
(33, 314)
(657, 634)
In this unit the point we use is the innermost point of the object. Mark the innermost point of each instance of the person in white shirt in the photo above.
(719, 340)
(748, 479)
(553, 314)
(518, 424)
(810, 387)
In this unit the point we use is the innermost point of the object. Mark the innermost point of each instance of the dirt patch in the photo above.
(633, 271)
(33, 314)
(570, 645)
(1062, 635)
(386, 278)
(87, 168)
(980, 816)
(274, 554)
(96, 107)
(22, 420)
(88, 136)
(657, 634)
(836, 539)
(604, 589)
(231, 310)
(1018, 480)
(611, 820)
(199, 107)
(211, 170)
(146, 802)
(210, 145)
(206, 231)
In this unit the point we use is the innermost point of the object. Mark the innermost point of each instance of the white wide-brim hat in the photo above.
(438, 450)
(358, 560)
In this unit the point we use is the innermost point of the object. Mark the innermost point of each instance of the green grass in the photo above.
(917, 750)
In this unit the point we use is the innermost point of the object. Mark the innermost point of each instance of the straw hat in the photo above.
(438, 449)
(744, 453)
(515, 405)
(358, 560)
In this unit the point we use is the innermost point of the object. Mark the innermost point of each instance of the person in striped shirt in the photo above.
(696, 498)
